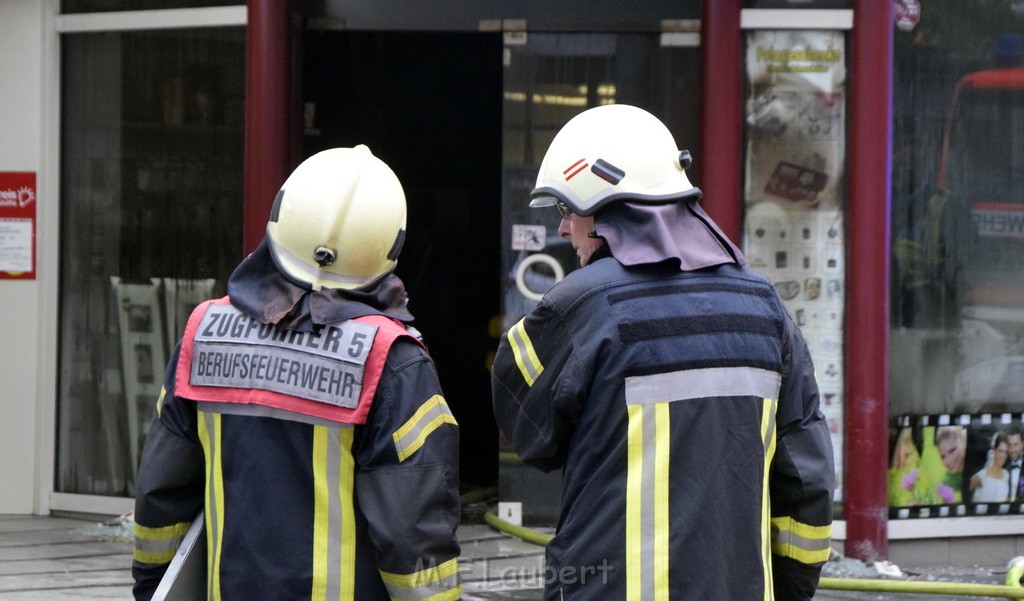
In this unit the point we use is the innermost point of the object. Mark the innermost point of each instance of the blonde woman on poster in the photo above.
(991, 484)
(905, 471)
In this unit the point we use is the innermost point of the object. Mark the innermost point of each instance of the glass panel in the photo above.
(956, 357)
(795, 194)
(151, 207)
(96, 6)
(798, 4)
(548, 80)
(957, 341)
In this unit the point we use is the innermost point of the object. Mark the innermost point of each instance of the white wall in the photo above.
(21, 149)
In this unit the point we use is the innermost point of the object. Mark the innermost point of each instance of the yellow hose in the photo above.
(968, 589)
(530, 536)
(1011, 590)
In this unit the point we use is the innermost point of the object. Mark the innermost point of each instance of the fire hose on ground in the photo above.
(1012, 589)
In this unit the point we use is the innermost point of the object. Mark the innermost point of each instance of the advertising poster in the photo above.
(794, 193)
(17, 225)
(952, 466)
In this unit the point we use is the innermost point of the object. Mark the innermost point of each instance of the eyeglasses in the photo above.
(563, 209)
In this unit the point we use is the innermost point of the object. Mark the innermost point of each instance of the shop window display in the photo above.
(794, 193)
(151, 223)
(956, 352)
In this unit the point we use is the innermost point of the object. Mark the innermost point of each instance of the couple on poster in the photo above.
(999, 479)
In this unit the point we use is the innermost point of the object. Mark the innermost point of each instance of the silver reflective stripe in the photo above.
(768, 438)
(647, 507)
(769, 431)
(703, 383)
(334, 514)
(262, 411)
(647, 512)
(790, 538)
(214, 504)
(524, 353)
(410, 437)
(165, 545)
(425, 591)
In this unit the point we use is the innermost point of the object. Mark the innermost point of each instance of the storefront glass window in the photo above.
(798, 4)
(151, 212)
(96, 6)
(548, 80)
(956, 356)
(958, 211)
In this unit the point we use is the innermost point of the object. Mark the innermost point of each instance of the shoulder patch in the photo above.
(233, 350)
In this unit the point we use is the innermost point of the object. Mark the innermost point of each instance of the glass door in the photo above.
(548, 79)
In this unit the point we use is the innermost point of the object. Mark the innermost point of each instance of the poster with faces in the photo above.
(955, 465)
(793, 231)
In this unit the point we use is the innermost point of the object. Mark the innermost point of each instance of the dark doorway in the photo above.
(429, 105)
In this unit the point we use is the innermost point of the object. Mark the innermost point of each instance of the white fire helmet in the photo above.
(609, 153)
(338, 221)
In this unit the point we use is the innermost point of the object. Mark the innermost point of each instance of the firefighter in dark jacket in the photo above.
(304, 417)
(667, 381)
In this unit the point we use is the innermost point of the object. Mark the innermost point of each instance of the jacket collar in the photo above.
(258, 288)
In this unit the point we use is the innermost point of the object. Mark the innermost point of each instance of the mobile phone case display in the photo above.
(794, 193)
(954, 466)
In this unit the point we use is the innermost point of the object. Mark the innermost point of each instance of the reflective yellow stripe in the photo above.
(662, 442)
(321, 493)
(802, 542)
(158, 545)
(160, 400)
(634, 500)
(334, 544)
(348, 530)
(522, 348)
(429, 417)
(209, 436)
(437, 583)
(768, 410)
(648, 442)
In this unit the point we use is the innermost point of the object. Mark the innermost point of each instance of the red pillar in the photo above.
(267, 113)
(867, 289)
(720, 159)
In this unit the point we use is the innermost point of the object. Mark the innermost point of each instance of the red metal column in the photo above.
(720, 159)
(867, 296)
(267, 113)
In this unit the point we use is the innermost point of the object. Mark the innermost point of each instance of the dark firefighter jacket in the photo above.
(324, 457)
(683, 410)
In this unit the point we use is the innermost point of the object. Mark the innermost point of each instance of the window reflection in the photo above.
(151, 212)
(957, 343)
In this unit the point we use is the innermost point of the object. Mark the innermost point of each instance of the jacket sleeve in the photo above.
(407, 480)
(169, 486)
(537, 383)
(802, 477)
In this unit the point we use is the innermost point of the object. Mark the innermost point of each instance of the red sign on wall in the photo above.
(17, 225)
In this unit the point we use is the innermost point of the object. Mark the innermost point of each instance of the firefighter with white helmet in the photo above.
(302, 414)
(613, 153)
(343, 223)
(668, 383)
